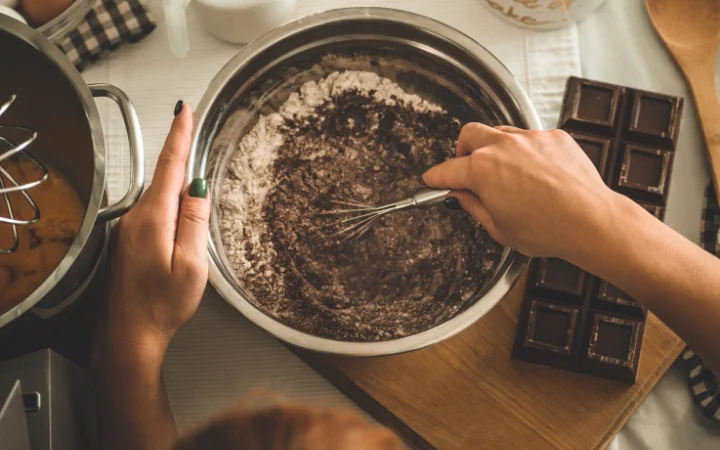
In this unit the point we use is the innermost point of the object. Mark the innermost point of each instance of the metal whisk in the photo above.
(363, 216)
(8, 149)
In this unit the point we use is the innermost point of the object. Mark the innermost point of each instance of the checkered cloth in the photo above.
(108, 25)
(704, 385)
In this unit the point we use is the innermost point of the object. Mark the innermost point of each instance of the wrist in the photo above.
(610, 233)
(119, 346)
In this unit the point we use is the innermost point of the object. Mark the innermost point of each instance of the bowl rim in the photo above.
(196, 168)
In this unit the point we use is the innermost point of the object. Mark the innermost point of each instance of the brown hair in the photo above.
(289, 426)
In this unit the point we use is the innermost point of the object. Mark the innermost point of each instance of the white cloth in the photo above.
(219, 356)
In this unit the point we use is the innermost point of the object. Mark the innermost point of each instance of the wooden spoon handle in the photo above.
(702, 83)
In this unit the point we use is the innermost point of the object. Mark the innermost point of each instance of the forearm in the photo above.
(677, 280)
(133, 408)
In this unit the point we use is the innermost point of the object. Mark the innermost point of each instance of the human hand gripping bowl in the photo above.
(159, 266)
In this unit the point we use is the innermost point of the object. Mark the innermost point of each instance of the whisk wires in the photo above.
(8, 184)
(362, 217)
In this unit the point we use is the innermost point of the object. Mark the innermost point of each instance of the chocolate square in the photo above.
(554, 275)
(613, 347)
(551, 327)
(548, 333)
(597, 149)
(611, 298)
(590, 106)
(644, 173)
(654, 119)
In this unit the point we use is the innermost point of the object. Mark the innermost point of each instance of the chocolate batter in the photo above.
(412, 271)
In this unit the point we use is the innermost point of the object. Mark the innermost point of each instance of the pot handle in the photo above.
(137, 151)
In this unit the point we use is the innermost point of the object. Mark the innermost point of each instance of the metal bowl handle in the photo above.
(137, 151)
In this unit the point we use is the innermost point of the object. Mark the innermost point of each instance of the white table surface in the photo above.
(617, 45)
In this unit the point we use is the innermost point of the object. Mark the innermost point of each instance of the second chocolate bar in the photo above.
(569, 318)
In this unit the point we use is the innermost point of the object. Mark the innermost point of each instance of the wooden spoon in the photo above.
(691, 31)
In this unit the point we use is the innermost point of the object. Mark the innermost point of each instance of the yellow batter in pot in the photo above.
(43, 244)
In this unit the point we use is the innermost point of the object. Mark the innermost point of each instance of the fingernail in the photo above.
(198, 188)
(178, 107)
(453, 203)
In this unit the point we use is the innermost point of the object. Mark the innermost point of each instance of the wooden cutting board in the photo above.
(467, 393)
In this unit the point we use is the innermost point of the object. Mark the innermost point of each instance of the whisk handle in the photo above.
(430, 197)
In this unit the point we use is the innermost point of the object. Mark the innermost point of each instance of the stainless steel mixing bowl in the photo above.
(423, 56)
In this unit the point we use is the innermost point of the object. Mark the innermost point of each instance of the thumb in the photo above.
(192, 229)
(473, 206)
(453, 174)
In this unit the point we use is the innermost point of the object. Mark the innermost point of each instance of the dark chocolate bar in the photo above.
(570, 318)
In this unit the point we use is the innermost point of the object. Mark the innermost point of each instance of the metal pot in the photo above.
(53, 100)
(420, 54)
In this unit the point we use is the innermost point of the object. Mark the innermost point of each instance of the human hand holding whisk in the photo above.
(503, 177)
(506, 177)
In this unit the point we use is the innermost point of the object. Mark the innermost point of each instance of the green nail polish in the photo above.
(198, 188)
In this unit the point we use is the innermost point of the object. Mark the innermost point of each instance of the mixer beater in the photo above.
(10, 189)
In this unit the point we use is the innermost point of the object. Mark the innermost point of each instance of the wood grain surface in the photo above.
(690, 31)
(466, 393)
